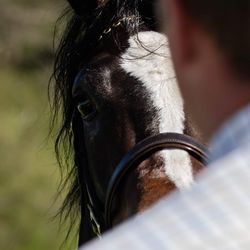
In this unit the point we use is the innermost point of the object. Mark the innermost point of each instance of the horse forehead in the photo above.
(148, 60)
(148, 57)
(96, 73)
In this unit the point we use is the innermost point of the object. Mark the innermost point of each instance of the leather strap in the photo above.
(141, 152)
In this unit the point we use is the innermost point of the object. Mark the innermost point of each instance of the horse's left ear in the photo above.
(83, 6)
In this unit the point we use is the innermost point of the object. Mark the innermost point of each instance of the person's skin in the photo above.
(211, 89)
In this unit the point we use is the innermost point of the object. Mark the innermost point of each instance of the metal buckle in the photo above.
(95, 225)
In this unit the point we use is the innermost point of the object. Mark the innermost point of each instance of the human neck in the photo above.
(235, 94)
(217, 91)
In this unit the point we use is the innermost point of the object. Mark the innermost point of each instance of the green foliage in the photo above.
(29, 175)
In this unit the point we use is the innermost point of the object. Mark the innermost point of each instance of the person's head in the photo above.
(210, 43)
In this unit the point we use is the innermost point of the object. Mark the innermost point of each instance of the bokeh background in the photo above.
(29, 174)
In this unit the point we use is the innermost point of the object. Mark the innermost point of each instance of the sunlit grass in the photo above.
(29, 174)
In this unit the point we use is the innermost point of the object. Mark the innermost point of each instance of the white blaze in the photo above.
(148, 59)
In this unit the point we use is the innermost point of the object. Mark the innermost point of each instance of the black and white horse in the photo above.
(115, 86)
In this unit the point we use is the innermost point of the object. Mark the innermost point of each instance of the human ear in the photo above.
(182, 32)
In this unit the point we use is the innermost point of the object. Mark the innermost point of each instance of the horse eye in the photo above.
(86, 109)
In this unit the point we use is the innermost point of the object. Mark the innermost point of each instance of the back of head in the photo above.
(228, 21)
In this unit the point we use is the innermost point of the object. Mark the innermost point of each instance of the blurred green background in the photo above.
(29, 175)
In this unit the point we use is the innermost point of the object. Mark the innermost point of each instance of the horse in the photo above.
(115, 86)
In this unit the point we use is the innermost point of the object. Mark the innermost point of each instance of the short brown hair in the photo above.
(229, 22)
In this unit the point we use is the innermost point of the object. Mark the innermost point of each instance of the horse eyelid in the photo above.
(89, 111)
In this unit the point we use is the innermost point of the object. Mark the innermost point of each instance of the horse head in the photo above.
(116, 86)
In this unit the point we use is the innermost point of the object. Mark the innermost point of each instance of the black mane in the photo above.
(80, 42)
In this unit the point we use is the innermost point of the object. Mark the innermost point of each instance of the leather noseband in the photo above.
(141, 152)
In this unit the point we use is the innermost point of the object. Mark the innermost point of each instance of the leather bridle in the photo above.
(143, 150)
